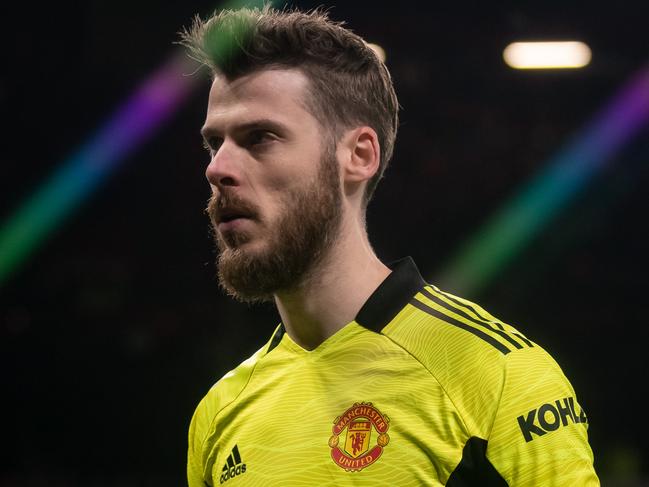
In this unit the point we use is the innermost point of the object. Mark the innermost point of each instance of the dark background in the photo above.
(115, 328)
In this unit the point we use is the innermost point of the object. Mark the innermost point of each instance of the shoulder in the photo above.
(511, 395)
(435, 324)
(473, 355)
(228, 387)
(223, 393)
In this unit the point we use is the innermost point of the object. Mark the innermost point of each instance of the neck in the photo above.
(334, 292)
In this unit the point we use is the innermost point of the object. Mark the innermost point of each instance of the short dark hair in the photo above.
(349, 85)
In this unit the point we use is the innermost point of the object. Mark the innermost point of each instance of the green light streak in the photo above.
(528, 213)
(74, 181)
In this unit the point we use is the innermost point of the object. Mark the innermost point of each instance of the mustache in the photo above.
(229, 203)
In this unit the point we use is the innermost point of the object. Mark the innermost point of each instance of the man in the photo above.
(373, 376)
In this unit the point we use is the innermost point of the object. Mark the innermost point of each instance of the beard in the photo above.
(296, 243)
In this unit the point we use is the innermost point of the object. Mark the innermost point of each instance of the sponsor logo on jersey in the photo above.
(233, 466)
(359, 436)
(549, 417)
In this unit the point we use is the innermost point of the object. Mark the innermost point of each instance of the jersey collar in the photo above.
(391, 296)
(385, 302)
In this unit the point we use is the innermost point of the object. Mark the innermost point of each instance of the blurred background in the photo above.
(524, 191)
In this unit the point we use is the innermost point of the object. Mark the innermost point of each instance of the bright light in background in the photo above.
(378, 50)
(547, 55)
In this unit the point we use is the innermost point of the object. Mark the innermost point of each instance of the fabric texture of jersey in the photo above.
(422, 388)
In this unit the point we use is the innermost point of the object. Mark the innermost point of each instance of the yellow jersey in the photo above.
(422, 388)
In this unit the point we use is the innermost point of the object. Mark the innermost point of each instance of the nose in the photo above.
(223, 168)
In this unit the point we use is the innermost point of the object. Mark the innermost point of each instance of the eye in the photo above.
(212, 144)
(258, 137)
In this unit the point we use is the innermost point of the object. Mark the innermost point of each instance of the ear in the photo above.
(362, 156)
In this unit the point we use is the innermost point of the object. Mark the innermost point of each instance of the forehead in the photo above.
(277, 94)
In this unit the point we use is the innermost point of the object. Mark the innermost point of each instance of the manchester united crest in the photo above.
(359, 436)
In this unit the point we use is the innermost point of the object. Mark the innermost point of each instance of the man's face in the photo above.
(276, 194)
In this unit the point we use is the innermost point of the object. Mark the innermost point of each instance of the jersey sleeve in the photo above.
(539, 434)
(197, 434)
(203, 431)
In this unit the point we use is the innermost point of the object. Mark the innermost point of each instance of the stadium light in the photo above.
(547, 55)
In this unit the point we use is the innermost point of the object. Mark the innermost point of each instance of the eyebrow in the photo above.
(262, 123)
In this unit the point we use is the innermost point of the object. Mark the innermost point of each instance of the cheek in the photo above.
(286, 174)
(276, 185)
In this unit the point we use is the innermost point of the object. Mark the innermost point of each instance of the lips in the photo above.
(226, 215)
(229, 212)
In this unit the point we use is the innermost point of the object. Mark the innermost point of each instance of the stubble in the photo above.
(297, 243)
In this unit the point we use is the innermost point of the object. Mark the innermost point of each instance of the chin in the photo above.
(247, 246)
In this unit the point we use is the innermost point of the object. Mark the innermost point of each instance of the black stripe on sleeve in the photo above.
(529, 343)
(475, 312)
(455, 310)
(452, 321)
(467, 306)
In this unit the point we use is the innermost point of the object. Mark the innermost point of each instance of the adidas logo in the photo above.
(233, 467)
